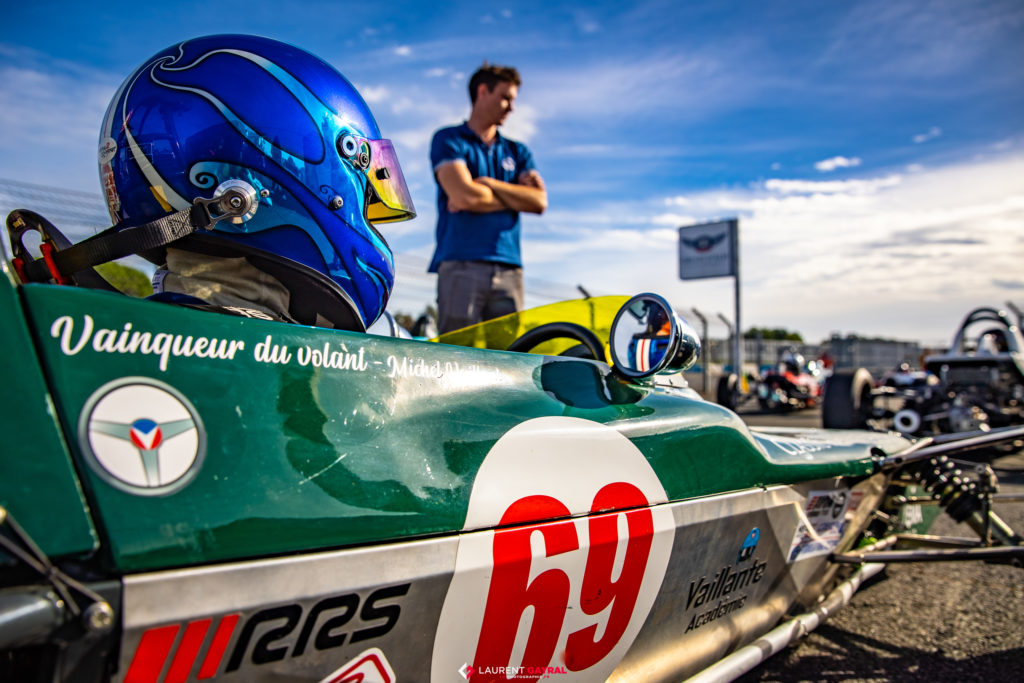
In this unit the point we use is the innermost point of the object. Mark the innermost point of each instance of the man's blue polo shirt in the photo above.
(467, 236)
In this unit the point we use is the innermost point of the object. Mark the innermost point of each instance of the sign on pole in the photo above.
(713, 250)
(708, 250)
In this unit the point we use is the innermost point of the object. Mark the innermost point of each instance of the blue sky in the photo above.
(873, 151)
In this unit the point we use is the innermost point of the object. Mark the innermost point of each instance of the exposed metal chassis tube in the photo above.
(932, 549)
(937, 555)
(746, 658)
(952, 443)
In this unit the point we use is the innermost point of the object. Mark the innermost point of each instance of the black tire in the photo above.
(543, 333)
(847, 400)
(725, 393)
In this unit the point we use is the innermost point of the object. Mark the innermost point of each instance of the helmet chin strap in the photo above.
(66, 263)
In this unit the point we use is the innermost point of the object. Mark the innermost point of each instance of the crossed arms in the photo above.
(486, 195)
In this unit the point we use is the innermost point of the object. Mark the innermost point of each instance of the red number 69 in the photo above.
(511, 592)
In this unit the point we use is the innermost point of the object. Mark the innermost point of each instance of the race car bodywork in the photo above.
(195, 496)
(977, 385)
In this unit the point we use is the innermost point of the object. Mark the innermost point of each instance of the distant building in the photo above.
(758, 353)
(877, 355)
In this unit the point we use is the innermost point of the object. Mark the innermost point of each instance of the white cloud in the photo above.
(374, 94)
(403, 50)
(832, 164)
(585, 22)
(932, 133)
(54, 128)
(522, 124)
(854, 186)
(584, 150)
(852, 256)
(619, 88)
(674, 219)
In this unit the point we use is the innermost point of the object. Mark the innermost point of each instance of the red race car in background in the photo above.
(793, 383)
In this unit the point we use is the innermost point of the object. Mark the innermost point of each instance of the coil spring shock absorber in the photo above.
(956, 494)
(964, 498)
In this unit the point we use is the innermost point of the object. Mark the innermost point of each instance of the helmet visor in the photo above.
(387, 195)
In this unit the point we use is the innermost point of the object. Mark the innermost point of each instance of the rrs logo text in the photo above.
(269, 635)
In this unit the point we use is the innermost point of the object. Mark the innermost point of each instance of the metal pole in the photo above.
(738, 342)
(732, 337)
(759, 359)
(706, 352)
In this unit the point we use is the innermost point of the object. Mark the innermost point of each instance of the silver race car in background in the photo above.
(976, 386)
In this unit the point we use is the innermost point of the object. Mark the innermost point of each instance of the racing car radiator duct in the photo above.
(749, 656)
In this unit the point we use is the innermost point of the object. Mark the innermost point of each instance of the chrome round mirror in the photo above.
(647, 338)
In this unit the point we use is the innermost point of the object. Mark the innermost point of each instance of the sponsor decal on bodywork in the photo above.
(724, 588)
(72, 339)
(233, 642)
(821, 524)
(75, 335)
(369, 667)
(142, 436)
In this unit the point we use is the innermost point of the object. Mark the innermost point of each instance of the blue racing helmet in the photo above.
(261, 114)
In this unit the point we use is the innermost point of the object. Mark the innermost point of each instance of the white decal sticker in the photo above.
(75, 335)
(567, 597)
(795, 446)
(107, 150)
(370, 666)
(911, 515)
(142, 436)
(821, 524)
(128, 341)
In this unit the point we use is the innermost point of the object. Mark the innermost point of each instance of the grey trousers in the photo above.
(469, 292)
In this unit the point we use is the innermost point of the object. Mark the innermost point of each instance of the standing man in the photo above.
(484, 181)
